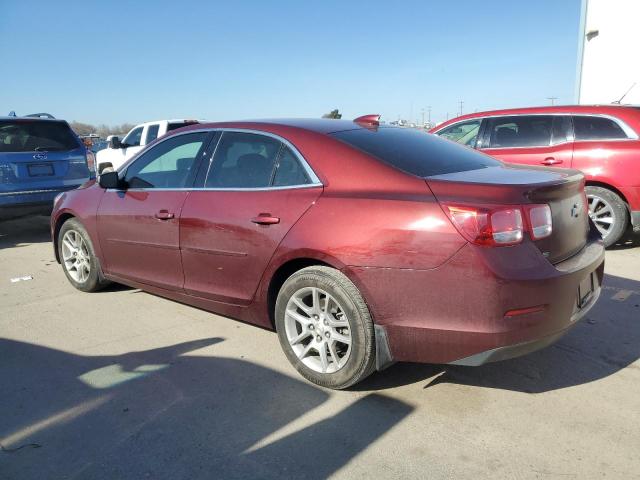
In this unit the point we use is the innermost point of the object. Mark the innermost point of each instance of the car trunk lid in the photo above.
(561, 189)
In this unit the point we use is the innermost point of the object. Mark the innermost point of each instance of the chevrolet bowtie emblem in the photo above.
(575, 210)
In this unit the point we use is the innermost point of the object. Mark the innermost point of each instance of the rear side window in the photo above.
(32, 135)
(415, 152)
(520, 131)
(243, 160)
(152, 133)
(289, 172)
(596, 128)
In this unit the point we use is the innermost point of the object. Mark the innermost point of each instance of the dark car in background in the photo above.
(600, 140)
(40, 157)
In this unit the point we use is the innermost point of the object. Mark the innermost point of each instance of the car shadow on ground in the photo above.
(628, 240)
(603, 343)
(167, 413)
(24, 231)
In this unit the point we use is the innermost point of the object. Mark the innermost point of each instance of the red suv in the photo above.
(602, 141)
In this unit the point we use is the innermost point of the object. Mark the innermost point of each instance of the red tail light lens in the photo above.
(488, 226)
(539, 221)
(500, 225)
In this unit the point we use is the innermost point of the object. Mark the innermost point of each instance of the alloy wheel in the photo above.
(601, 213)
(76, 257)
(318, 330)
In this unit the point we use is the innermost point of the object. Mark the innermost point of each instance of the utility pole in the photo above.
(422, 111)
(429, 113)
(461, 103)
(552, 99)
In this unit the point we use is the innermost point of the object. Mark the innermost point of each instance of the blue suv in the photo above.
(39, 158)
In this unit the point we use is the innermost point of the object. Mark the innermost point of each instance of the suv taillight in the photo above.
(500, 225)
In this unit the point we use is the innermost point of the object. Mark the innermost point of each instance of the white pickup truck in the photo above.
(119, 151)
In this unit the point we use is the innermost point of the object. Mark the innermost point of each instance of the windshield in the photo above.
(28, 135)
(415, 152)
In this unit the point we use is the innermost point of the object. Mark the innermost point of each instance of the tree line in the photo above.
(102, 130)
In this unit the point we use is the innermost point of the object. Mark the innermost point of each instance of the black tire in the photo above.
(620, 213)
(360, 363)
(95, 280)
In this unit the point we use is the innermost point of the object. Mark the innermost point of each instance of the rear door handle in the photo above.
(551, 161)
(265, 219)
(164, 215)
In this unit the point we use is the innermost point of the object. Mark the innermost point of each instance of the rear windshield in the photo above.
(36, 135)
(175, 126)
(415, 152)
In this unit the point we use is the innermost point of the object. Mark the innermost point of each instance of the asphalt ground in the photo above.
(124, 384)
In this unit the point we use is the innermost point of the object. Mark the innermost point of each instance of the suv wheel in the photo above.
(325, 328)
(608, 212)
(79, 262)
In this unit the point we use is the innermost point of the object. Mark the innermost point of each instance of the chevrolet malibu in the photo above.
(359, 244)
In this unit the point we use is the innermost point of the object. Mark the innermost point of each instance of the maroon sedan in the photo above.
(361, 245)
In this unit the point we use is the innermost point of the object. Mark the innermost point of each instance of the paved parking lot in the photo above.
(123, 384)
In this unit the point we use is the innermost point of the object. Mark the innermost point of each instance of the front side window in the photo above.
(133, 138)
(465, 133)
(596, 128)
(152, 133)
(243, 160)
(170, 164)
(520, 131)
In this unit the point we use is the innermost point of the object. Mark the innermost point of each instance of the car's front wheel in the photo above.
(608, 212)
(325, 328)
(79, 262)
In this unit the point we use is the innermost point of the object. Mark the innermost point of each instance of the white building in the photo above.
(608, 48)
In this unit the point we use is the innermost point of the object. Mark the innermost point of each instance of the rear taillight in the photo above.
(539, 217)
(500, 225)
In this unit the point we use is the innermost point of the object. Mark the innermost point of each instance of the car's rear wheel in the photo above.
(325, 328)
(608, 212)
(79, 262)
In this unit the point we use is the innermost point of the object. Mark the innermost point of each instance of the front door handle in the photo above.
(551, 161)
(265, 219)
(164, 215)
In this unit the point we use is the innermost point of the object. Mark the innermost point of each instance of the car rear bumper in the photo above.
(39, 196)
(457, 313)
(512, 351)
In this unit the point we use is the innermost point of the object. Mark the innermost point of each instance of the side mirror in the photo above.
(114, 142)
(109, 180)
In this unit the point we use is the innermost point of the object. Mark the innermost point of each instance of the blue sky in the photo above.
(113, 62)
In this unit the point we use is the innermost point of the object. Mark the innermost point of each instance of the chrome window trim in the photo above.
(205, 189)
(315, 181)
(631, 134)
